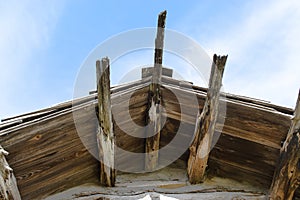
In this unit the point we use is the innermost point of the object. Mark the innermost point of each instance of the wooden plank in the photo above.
(205, 124)
(105, 132)
(233, 171)
(287, 173)
(153, 119)
(242, 99)
(241, 119)
(246, 155)
(54, 158)
(8, 184)
(148, 71)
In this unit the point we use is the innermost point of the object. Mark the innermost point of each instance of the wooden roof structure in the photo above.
(255, 157)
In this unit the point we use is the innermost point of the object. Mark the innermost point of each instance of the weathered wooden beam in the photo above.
(105, 132)
(148, 71)
(205, 124)
(8, 184)
(153, 117)
(286, 177)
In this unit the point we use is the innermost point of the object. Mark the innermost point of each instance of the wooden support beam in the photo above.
(205, 124)
(8, 184)
(286, 177)
(153, 117)
(105, 132)
(148, 71)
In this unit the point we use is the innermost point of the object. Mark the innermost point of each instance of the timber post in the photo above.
(205, 124)
(153, 115)
(286, 177)
(8, 184)
(105, 132)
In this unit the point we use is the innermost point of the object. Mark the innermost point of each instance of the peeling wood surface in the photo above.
(105, 130)
(8, 185)
(205, 124)
(153, 118)
(287, 173)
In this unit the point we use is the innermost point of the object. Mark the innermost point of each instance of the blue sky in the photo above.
(44, 43)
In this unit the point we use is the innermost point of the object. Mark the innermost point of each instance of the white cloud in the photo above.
(25, 29)
(263, 46)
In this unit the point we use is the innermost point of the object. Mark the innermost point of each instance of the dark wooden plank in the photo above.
(264, 126)
(105, 132)
(231, 170)
(250, 156)
(205, 124)
(49, 156)
(287, 173)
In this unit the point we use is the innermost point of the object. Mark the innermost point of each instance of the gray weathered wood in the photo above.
(205, 124)
(105, 132)
(8, 184)
(148, 71)
(287, 173)
(153, 118)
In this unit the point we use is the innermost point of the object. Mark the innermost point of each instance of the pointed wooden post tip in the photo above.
(162, 19)
(205, 124)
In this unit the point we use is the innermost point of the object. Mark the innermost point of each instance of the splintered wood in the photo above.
(153, 118)
(8, 184)
(287, 173)
(205, 124)
(105, 133)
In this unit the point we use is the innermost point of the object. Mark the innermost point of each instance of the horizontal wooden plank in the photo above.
(248, 155)
(47, 155)
(227, 170)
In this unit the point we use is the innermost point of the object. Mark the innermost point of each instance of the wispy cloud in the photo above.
(26, 27)
(263, 45)
(263, 49)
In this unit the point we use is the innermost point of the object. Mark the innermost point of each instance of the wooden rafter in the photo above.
(105, 132)
(205, 124)
(8, 184)
(153, 117)
(287, 173)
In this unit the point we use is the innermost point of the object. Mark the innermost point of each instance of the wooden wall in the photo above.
(48, 156)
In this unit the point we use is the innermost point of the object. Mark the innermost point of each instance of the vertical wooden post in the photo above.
(8, 183)
(153, 118)
(105, 133)
(286, 177)
(205, 124)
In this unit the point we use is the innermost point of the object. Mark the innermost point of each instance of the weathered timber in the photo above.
(153, 118)
(148, 71)
(105, 132)
(205, 124)
(55, 158)
(255, 102)
(241, 118)
(8, 184)
(287, 173)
